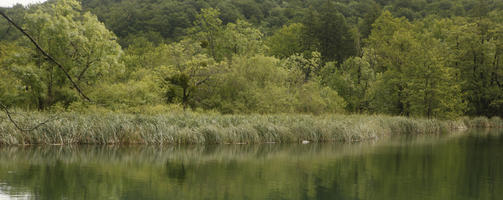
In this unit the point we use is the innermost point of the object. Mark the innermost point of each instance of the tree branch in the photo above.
(202, 81)
(4, 107)
(9, 116)
(46, 55)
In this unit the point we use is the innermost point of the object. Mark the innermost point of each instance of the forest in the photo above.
(438, 59)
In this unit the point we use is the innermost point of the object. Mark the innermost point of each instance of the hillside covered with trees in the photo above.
(420, 58)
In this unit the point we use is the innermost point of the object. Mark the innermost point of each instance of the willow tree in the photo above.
(76, 39)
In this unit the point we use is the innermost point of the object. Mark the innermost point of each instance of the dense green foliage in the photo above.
(419, 58)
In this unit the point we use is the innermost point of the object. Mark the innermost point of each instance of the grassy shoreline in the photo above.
(194, 128)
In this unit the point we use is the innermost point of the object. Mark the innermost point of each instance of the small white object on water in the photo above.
(305, 141)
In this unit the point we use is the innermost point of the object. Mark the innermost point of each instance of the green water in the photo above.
(453, 166)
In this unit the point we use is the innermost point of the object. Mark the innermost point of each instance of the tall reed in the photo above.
(194, 128)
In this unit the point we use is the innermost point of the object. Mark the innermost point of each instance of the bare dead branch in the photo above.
(16, 124)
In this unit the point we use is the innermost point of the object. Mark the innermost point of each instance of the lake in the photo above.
(455, 166)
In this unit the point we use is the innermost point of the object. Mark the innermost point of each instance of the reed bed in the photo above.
(484, 122)
(195, 128)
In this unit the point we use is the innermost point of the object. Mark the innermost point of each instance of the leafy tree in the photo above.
(353, 81)
(255, 84)
(386, 52)
(334, 36)
(326, 31)
(240, 39)
(432, 89)
(309, 39)
(286, 41)
(184, 76)
(76, 39)
(476, 51)
(416, 79)
(208, 28)
(16, 13)
(309, 67)
(222, 42)
(14, 90)
(261, 84)
(365, 25)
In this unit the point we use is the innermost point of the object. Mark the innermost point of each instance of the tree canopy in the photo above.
(440, 59)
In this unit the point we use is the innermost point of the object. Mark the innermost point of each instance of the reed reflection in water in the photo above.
(452, 166)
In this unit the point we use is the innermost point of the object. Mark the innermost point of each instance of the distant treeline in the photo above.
(422, 58)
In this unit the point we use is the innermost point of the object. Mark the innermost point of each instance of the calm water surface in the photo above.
(453, 166)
